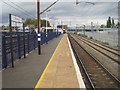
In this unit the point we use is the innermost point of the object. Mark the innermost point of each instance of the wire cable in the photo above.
(20, 7)
(16, 9)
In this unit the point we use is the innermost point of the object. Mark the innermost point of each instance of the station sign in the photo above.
(16, 19)
(59, 26)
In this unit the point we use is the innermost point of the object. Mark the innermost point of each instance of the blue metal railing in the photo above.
(18, 44)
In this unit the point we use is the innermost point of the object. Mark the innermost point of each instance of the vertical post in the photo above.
(91, 26)
(84, 29)
(16, 27)
(24, 40)
(11, 42)
(28, 42)
(53, 28)
(39, 34)
(4, 57)
(57, 32)
(34, 40)
(76, 2)
(19, 50)
(46, 29)
(76, 28)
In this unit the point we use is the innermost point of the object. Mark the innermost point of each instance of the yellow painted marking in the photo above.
(42, 76)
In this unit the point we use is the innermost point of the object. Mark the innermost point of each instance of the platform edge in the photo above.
(79, 76)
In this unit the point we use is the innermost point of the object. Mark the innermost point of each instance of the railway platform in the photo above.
(56, 67)
(27, 70)
(62, 70)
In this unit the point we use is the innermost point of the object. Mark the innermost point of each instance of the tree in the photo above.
(118, 25)
(109, 22)
(33, 23)
(43, 23)
(113, 23)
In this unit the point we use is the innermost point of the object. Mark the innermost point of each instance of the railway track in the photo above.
(97, 75)
(110, 49)
(108, 52)
(106, 46)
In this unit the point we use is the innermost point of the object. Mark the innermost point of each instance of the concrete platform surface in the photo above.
(60, 71)
(27, 71)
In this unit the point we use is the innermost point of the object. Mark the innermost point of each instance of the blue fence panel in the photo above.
(36, 41)
(43, 38)
(21, 45)
(26, 43)
(15, 47)
(31, 42)
(18, 44)
(51, 35)
(8, 50)
(4, 62)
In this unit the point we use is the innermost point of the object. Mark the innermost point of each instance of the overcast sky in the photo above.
(64, 12)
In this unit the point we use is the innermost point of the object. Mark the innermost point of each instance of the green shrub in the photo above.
(82, 35)
(105, 43)
(102, 42)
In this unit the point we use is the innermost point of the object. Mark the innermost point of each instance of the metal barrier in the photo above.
(18, 45)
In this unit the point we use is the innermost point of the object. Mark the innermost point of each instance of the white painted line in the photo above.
(27, 54)
(79, 76)
(39, 34)
(39, 39)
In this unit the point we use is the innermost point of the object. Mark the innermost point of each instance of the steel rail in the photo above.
(100, 51)
(83, 66)
(102, 47)
(100, 64)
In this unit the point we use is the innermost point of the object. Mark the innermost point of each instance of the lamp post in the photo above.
(84, 30)
(46, 27)
(76, 28)
(57, 23)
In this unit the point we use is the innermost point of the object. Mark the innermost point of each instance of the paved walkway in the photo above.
(60, 71)
(28, 71)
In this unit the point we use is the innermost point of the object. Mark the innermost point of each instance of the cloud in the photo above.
(67, 0)
(84, 12)
(68, 12)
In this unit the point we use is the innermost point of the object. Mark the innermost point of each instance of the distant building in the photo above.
(102, 26)
(62, 26)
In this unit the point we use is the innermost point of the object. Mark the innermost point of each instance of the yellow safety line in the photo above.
(42, 76)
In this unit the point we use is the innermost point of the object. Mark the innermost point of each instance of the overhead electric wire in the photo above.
(20, 7)
(85, 2)
(27, 11)
(102, 13)
(16, 9)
